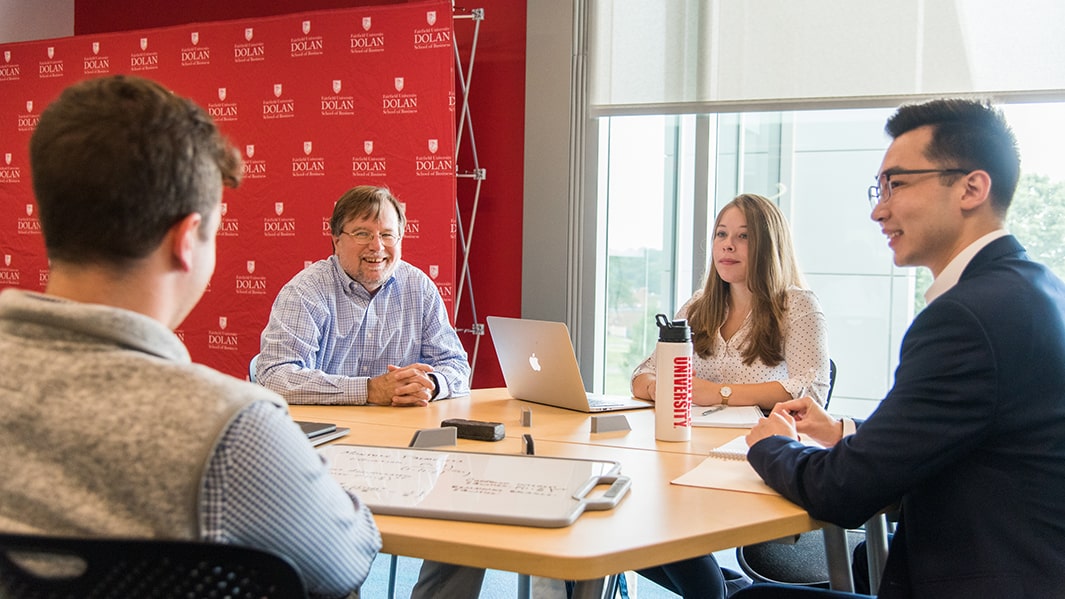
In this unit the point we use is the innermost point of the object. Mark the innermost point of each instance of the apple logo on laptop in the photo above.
(534, 362)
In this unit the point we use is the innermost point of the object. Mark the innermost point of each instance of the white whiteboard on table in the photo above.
(479, 487)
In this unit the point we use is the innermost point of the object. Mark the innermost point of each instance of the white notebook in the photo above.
(730, 417)
(726, 468)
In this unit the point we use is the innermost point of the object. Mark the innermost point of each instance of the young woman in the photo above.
(758, 334)
(759, 338)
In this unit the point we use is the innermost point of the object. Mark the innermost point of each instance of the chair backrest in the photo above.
(831, 381)
(34, 567)
(255, 360)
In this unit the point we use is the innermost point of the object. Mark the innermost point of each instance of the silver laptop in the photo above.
(539, 365)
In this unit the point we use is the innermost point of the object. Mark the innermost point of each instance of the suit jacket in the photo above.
(970, 440)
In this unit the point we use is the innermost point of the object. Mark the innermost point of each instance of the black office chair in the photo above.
(33, 567)
(798, 560)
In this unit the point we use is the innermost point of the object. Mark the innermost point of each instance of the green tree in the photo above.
(1036, 217)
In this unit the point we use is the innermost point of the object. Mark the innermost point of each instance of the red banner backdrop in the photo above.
(317, 102)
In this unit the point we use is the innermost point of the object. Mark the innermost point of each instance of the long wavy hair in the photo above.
(771, 269)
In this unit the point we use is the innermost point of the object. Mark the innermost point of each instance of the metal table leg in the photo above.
(838, 556)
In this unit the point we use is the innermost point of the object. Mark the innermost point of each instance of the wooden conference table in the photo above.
(656, 523)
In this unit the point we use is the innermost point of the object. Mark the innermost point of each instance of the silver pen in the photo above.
(716, 408)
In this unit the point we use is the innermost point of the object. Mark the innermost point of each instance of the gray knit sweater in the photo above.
(106, 426)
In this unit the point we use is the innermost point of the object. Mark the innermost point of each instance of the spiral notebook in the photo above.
(735, 449)
(726, 468)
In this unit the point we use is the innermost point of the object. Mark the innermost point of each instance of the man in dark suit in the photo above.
(970, 441)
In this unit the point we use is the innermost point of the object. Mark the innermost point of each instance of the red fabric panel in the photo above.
(317, 101)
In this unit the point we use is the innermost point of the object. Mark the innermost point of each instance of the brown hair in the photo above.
(771, 269)
(117, 161)
(364, 201)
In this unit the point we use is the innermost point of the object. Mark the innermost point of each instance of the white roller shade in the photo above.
(671, 56)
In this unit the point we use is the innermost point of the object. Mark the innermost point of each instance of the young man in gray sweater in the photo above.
(106, 426)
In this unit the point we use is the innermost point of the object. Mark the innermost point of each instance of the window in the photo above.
(665, 176)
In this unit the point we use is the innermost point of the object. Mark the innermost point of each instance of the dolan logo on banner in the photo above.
(320, 134)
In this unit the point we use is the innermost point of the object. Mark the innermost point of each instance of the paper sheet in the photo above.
(728, 474)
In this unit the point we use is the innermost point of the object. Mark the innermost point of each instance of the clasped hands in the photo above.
(802, 415)
(402, 386)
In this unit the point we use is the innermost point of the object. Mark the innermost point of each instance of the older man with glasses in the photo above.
(362, 326)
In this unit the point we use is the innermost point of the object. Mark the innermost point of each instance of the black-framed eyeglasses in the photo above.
(881, 192)
(365, 237)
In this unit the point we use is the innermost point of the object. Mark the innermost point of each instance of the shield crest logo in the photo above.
(7, 55)
(7, 259)
(434, 271)
(225, 208)
(307, 146)
(306, 27)
(221, 94)
(251, 266)
(29, 105)
(29, 209)
(337, 86)
(51, 52)
(144, 43)
(222, 322)
(249, 150)
(399, 84)
(195, 36)
(249, 33)
(430, 17)
(366, 22)
(367, 146)
(279, 208)
(96, 47)
(434, 145)
(7, 158)
(277, 90)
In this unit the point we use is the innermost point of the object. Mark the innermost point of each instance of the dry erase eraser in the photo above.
(477, 430)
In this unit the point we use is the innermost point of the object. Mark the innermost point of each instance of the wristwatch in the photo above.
(726, 392)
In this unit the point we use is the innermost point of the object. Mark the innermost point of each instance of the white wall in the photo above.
(26, 20)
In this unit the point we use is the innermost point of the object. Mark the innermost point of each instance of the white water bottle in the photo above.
(673, 384)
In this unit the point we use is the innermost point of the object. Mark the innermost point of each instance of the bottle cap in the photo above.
(672, 331)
